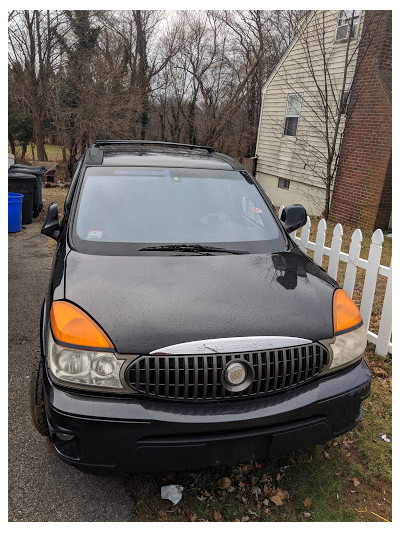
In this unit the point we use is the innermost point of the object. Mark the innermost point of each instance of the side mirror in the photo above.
(293, 217)
(51, 226)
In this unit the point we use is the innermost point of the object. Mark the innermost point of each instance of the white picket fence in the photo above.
(353, 260)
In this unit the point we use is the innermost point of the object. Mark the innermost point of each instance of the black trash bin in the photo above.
(26, 184)
(33, 171)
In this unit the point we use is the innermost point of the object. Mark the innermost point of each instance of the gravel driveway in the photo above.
(41, 487)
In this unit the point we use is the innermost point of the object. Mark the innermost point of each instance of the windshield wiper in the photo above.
(197, 248)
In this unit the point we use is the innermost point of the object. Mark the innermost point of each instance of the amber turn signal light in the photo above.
(345, 312)
(71, 325)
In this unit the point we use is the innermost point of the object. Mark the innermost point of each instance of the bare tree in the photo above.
(33, 56)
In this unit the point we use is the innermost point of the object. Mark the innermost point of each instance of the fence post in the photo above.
(320, 242)
(385, 328)
(305, 235)
(351, 269)
(335, 251)
(371, 276)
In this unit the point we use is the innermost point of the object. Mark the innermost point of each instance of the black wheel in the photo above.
(37, 399)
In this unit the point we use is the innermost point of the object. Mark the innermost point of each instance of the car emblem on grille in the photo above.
(235, 374)
(238, 375)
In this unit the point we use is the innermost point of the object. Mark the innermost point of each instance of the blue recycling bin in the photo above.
(14, 212)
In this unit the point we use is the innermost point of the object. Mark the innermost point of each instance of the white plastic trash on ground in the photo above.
(172, 493)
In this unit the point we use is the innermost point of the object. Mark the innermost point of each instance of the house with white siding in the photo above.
(302, 99)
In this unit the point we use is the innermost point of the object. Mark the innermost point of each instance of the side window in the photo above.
(283, 183)
(344, 22)
(293, 107)
(73, 184)
(346, 98)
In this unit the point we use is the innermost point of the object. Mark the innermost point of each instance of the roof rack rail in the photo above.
(209, 149)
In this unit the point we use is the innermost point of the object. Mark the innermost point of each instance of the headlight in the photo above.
(347, 348)
(84, 367)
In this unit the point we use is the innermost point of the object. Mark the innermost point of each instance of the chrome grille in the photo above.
(199, 377)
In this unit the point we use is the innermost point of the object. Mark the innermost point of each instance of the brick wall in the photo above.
(362, 193)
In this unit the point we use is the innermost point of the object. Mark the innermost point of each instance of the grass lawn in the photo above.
(347, 479)
(54, 153)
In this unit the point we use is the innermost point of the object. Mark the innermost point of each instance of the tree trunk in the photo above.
(143, 73)
(12, 143)
(24, 147)
(191, 124)
(327, 193)
(162, 126)
(38, 134)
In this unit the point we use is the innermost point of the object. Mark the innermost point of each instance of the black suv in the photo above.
(182, 326)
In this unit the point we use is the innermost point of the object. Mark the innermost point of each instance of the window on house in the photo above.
(346, 98)
(283, 183)
(344, 23)
(292, 114)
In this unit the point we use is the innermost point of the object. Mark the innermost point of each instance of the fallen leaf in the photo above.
(266, 502)
(245, 519)
(256, 491)
(307, 515)
(205, 493)
(257, 465)
(193, 517)
(307, 503)
(247, 468)
(355, 481)
(326, 455)
(224, 482)
(237, 520)
(279, 497)
(278, 477)
(266, 489)
(378, 371)
(217, 515)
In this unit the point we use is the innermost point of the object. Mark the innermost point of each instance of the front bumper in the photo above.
(130, 434)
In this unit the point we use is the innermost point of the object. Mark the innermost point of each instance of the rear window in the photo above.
(138, 206)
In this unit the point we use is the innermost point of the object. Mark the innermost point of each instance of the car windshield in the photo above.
(148, 206)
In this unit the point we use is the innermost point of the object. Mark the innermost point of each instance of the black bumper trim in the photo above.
(165, 436)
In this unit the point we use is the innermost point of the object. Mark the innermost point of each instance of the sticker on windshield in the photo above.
(95, 234)
(257, 210)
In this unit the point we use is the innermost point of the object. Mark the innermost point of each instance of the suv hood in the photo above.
(145, 303)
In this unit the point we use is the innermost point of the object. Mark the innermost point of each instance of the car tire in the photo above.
(37, 399)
